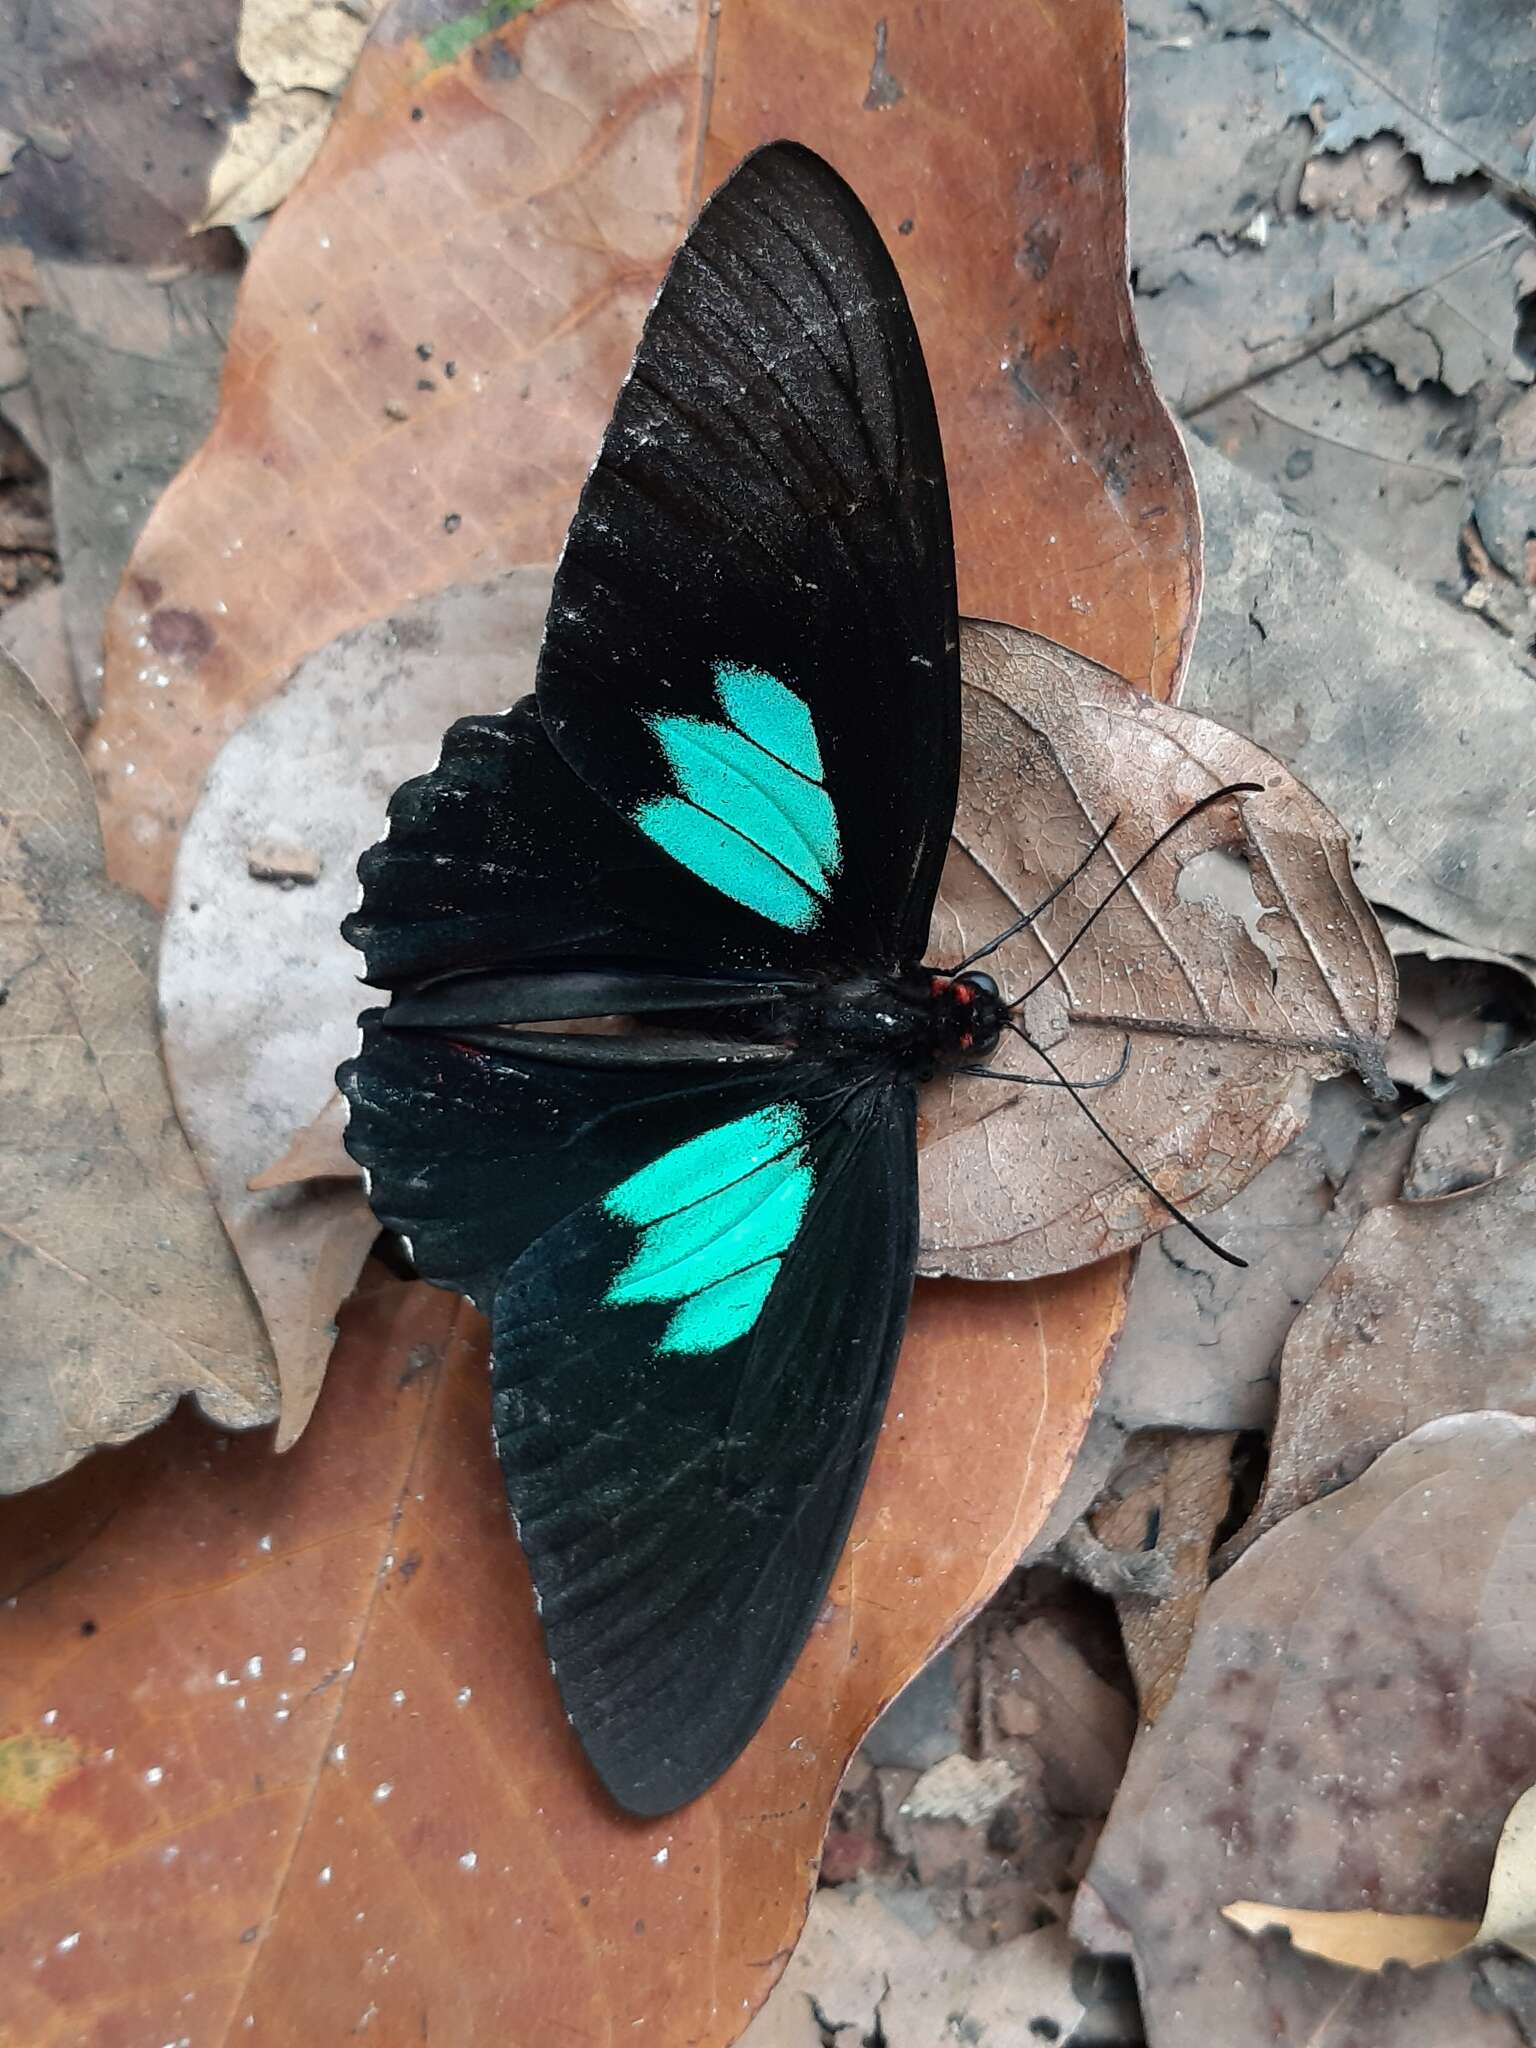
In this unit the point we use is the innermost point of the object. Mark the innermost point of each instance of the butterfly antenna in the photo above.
(1125, 1159)
(1039, 1080)
(1215, 797)
(1023, 923)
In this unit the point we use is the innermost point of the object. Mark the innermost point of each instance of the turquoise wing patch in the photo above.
(715, 1217)
(751, 815)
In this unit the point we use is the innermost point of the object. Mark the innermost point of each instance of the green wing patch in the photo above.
(715, 1216)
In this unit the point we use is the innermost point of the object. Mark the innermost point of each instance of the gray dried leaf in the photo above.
(118, 1289)
(1408, 718)
(259, 992)
(1430, 1309)
(1350, 1731)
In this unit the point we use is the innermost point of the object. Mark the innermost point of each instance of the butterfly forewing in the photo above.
(752, 645)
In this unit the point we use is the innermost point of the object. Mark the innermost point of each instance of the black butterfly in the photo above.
(723, 814)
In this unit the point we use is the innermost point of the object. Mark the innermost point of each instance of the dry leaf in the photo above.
(1360, 1941)
(1242, 960)
(351, 468)
(1299, 634)
(1185, 1500)
(125, 371)
(1369, 1941)
(1430, 1309)
(120, 1293)
(265, 156)
(124, 107)
(1351, 1729)
(864, 1971)
(258, 991)
(340, 1705)
(298, 55)
(317, 1152)
(400, 410)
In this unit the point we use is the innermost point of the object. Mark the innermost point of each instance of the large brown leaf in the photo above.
(351, 468)
(1350, 1731)
(118, 1290)
(280, 1733)
(426, 347)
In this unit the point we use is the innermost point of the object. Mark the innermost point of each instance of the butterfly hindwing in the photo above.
(751, 650)
(688, 1377)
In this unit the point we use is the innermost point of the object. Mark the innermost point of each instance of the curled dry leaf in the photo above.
(297, 55)
(1350, 1732)
(1239, 961)
(341, 1707)
(118, 1290)
(258, 991)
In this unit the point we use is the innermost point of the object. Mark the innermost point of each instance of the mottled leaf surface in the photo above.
(118, 1290)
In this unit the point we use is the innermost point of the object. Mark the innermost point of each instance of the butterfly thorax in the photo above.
(922, 1021)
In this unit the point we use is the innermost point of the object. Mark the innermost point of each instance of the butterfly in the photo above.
(723, 816)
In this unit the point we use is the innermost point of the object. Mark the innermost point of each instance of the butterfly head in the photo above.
(967, 1016)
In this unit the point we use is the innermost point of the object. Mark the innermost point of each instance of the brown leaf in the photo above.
(259, 993)
(1074, 509)
(557, 149)
(120, 1293)
(1241, 960)
(1348, 1735)
(1430, 1309)
(401, 411)
(409, 489)
(340, 1706)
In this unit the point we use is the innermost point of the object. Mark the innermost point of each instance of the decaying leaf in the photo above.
(1350, 1730)
(400, 410)
(864, 1971)
(1241, 959)
(259, 993)
(120, 110)
(1431, 1308)
(1353, 678)
(119, 1291)
(1182, 1492)
(1360, 1940)
(1369, 1941)
(298, 55)
(341, 1706)
(125, 371)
